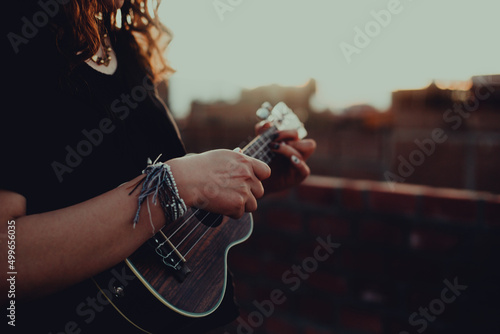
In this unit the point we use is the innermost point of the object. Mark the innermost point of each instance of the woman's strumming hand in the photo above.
(220, 181)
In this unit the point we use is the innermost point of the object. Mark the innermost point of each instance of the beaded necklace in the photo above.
(106, 50)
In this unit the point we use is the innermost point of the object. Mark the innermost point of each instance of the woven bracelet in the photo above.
(160, 183)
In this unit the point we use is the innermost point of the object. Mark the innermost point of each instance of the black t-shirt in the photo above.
(70, 141)
(65, 139)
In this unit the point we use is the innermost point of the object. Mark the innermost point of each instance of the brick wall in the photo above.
(359, 257)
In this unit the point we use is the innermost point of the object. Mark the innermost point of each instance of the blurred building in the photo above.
(364, 143)
(468, 115)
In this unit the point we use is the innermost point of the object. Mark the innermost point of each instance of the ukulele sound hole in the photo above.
(207, 218)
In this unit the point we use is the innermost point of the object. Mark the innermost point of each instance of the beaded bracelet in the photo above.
(160, 183)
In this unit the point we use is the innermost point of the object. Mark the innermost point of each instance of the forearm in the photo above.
(60, 248)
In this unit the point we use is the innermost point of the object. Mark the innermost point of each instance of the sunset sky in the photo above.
(355, 51)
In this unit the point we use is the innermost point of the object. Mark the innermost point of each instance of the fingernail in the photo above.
(274, 136)
(274, 146)
(295, 160)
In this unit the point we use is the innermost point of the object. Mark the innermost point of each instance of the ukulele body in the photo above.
(149, 280)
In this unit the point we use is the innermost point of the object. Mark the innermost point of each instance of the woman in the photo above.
(83, 119)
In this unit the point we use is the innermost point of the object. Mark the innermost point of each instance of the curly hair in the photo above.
(79, 32)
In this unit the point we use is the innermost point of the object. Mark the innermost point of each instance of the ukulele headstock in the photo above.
(282, 117)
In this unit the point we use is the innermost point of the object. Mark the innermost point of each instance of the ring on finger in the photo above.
(295, 159)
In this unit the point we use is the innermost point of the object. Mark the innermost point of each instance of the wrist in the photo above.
(133, 189)
(183, 176)
(158, 188)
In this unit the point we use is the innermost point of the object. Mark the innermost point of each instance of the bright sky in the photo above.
(218, 52)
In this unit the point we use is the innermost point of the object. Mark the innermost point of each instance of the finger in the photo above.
(257, 188)
(295, 157)
(262, 126)
(305, 147)
(287, 135)
(240, 208)
(286, 150)
(261, 170)
(251, 204)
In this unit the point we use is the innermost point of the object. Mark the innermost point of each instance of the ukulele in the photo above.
(184, 266)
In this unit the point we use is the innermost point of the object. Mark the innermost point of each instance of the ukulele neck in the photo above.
(259, 149)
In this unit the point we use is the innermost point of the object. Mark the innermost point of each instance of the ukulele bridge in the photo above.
(171, 258)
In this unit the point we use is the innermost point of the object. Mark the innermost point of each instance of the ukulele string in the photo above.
(267, 139)
(184, 223)
(190, 232)
(199, 238)
(264, 135)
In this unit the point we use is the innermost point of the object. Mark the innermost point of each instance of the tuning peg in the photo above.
(267, 105)
(263, 113)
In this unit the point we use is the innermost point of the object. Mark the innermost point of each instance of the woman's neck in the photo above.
(108, 69)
